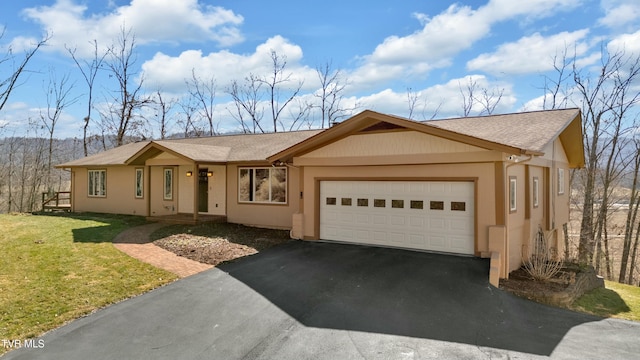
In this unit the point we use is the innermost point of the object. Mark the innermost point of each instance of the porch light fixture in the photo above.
(189, 173)
(209, 173)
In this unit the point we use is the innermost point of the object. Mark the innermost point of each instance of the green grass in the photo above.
(56, 268)
(615, 300)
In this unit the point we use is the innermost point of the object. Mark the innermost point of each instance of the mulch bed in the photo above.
(521, 283)
(214, 250)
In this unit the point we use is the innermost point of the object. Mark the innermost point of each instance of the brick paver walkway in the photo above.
(135, 242)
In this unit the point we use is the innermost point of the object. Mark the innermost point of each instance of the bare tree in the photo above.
(606, 100)
(122, 116)
(274, 83)
(58, 99)
(468, 96)
(331, 94)
(487, 99)
(632, 213)
(412, 100)
(204, 92)
(15, 68)
(163, 108)
(188, 121)
(89, 71)
(557, 91)
(247, 97)
(299, 114)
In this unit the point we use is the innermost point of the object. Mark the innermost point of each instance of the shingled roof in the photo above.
(527, 130)
(524, 133)
(214, 149)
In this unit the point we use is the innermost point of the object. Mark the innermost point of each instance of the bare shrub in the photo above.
(543, 263)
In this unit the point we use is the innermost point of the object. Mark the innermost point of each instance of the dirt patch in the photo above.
(214, 250)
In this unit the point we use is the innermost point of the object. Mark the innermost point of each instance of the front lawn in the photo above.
(615, 300)
(56, 268)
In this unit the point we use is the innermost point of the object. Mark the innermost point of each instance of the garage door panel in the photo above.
(437, 224)
(459, 224)
(379, 236)
(363, 235)
(427, 215)
(379, 220)
(346, 217)
(397, 220)
(416, 222)
(417, 240)
(397, 238)
(437, 242)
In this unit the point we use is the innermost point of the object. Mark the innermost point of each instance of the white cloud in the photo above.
(500, 10)
(629, 43)
(620, 13)
(151, 21)
(169, 73)
(445, 100)
(530, 54)
(445, 35)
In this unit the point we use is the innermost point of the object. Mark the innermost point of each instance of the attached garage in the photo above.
(479, 186)
(425, 215)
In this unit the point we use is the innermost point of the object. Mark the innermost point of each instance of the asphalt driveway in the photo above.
(331, 301)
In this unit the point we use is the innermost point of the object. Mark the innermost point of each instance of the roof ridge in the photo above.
(238, 135)
(496, 115)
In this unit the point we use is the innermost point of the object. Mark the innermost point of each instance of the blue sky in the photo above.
(382, 48)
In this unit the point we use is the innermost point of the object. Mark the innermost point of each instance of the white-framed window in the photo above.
(560, 181)
(97, 183)
(513, 194)
(168, 184)
(535, 188)
(262, 185)
(139, 183)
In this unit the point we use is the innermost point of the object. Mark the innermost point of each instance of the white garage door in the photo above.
(426, 215)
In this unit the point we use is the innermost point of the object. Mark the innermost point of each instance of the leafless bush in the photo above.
(543, 263)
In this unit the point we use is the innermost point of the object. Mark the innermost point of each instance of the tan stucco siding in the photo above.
(160, 206)
(550, 214)
(217, 189)
(120, 197)
(167, 159)
(559, 208)
(517, 229)
(262, 215)
(185, 188)
(395, 143)
(483, 172)
(536, 213)
(555, 151)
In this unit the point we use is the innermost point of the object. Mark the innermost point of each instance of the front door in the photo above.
(203, 190)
